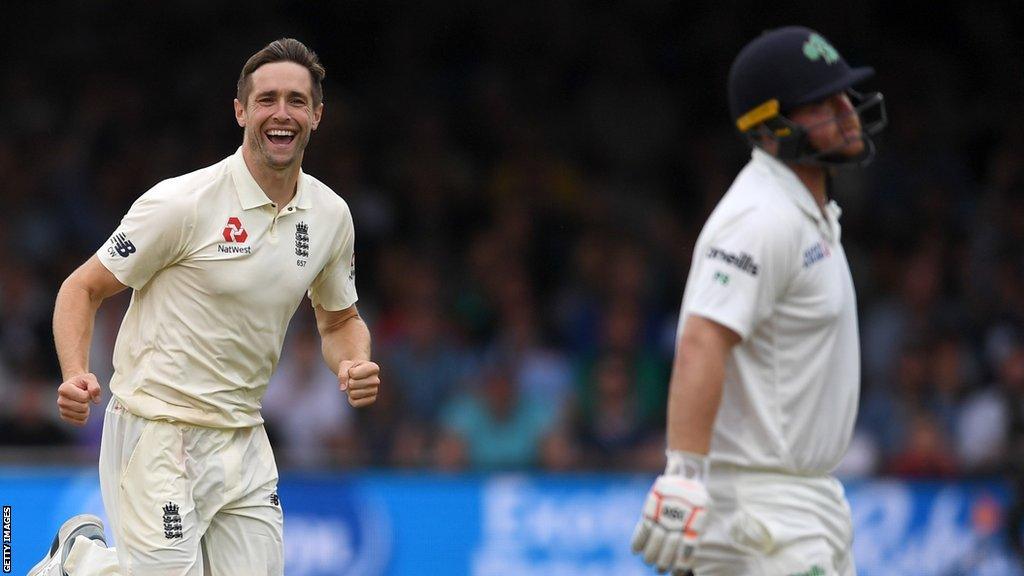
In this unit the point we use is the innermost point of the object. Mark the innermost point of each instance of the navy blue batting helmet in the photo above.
(785, 68)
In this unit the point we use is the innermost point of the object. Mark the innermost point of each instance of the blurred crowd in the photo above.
(527, 180)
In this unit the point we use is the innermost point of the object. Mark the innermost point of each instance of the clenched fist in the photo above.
(74, 397)
(360, 379)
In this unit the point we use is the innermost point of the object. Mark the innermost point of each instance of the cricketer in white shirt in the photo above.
(770, 266)
(218, 270)
(218, 261)
(766, 378)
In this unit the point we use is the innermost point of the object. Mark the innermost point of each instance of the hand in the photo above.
(360, 379)
(673, 517)
(74, 396)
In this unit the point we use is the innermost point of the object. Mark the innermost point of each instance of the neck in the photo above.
(815, 179)
(279, 185)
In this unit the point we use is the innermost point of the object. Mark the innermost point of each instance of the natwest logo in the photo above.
(234, 232)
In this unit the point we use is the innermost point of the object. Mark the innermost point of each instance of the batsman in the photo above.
(766, 378)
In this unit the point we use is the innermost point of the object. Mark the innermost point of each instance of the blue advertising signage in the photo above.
(507, 525)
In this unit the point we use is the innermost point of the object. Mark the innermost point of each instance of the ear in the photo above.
(765, 139)
(239, 113)
(318, 113)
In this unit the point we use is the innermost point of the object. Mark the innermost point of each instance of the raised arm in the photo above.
(345, 343)
(73, 317)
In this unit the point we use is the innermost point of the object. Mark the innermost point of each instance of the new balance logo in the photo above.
(122, 246)
(172, 521)
(743, 261)
(274, 499)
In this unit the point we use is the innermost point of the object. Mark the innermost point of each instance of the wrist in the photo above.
(73, 373)
(686, 464)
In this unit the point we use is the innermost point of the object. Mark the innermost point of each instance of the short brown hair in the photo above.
(284, 50)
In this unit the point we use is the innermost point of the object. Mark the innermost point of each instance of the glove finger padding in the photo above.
(654, 542)
(684, 554)
(669, 551)
(640, 534)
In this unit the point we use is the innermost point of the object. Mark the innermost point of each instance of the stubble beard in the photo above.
(849, 146)
(259, 149)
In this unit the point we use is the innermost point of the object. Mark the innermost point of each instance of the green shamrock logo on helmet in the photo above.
(817, 47)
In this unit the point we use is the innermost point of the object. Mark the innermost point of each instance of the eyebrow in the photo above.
(275, 93)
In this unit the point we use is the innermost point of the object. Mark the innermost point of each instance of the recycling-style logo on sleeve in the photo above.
(234, 232)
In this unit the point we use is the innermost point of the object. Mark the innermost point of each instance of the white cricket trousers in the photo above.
(773, 524)
(184, 500)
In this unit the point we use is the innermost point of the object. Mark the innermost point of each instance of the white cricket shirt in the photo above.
(217, 273)
(770, 267)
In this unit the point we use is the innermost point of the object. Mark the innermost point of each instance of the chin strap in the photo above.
(829, 159)
(793, 145)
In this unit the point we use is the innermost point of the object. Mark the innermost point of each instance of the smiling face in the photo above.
(832, 124)
(279, 114)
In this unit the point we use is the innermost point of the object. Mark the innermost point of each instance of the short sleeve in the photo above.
(740, 271)
(151, 237)
(335, 287)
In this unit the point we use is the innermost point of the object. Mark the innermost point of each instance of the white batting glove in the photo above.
(674, 515)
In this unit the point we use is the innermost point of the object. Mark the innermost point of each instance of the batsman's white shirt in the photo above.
(218, 271)
(770, 266)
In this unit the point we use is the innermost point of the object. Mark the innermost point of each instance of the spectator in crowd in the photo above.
(614, 429)
(27, 421)
(495, 426)
(534, 192)
(310, 422)
(889, 406)
(992, 420)
(926, 451)
(425, 361)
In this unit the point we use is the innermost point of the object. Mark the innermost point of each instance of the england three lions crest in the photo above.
(301, 243)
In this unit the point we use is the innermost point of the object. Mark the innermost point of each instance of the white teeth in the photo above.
(280, 133)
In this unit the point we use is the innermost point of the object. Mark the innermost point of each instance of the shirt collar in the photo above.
(794, 188)
(250, 195)
(791, 185)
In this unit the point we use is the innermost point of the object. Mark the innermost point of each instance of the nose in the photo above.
(842, 105)
(281, 110)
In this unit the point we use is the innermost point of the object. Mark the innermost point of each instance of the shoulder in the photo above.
(186, 190)
(323, 198)
(755, 206)
(754, 219)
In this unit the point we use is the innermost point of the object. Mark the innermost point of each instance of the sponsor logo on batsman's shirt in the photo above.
(816, 253)
(743, 261)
